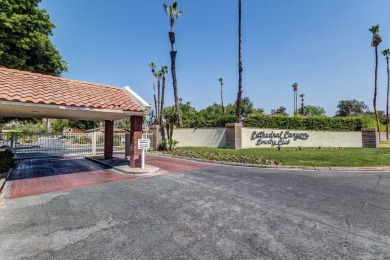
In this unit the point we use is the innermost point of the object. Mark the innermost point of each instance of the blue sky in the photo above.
(322, 45)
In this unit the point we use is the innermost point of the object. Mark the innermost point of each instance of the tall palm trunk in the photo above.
(376, 91)
(159, 101)
(173, 69)
(223, 108)
(303, 107)
(295, 102)
(239, 94)
(162, 98)
(154, 94)
(387, 103)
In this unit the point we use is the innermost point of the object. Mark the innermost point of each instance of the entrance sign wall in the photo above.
(234, 136)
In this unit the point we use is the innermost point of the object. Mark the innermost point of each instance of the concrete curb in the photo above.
(4, 179)
(307, 168)
(117, 168)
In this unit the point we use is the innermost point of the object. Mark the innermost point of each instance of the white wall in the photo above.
(200, 137)
(261, 138)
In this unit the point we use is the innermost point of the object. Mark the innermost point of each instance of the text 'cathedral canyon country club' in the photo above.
(277, 138)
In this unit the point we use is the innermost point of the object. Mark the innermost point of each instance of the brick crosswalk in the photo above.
(44, 175)
(38, 176)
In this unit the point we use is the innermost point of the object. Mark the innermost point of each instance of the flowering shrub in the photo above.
(224, 157)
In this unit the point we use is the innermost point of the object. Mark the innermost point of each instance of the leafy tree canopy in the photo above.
(58, 125)
(351, 108)
(25, 42)
(212, 116)
(123, 124)
(9, 121)
(28, 126)
(279, 111)
(247, 108)
(313, 111)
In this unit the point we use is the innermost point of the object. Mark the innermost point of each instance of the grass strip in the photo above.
(315, 157)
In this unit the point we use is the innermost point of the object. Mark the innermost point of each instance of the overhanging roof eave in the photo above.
(19, 109)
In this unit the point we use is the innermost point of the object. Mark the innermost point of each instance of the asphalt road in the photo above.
(215, 213)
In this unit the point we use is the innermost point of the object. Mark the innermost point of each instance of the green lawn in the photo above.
(344, 157)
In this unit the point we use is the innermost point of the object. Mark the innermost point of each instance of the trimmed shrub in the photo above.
(225, 119)
(224, 157)
(310, 123)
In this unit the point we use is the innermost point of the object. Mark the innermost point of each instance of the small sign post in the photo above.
(143, 144)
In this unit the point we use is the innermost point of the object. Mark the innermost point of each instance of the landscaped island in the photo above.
(315, 157)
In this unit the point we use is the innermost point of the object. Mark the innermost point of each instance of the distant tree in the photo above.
(247, 107)
(190, 114)
(386, 53)
(153, 66)
(257, 111)
(58, 125)
(279, 111)
(239, 93)
(173, 13)
(27, 126)
(83, 124)
(351, 108)
(25, 44)
(210, 116)
(4, 121)
(123, 124)
(314, 111)
(302, 96)
(376, 40)
(295, 89)
(221, 82)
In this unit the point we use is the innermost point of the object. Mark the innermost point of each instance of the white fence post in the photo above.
(94, 143)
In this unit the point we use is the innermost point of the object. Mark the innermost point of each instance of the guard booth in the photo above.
(32, 95)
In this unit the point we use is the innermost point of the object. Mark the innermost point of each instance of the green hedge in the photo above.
(215, 122)
(311, 123)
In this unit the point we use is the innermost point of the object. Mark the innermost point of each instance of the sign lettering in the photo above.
(274, 138)
(143, 144)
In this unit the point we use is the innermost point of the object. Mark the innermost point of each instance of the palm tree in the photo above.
(158, 113)
(223, 108)
(239, 94)
(386, 53)
(302, 96)
(152, 66)
(295, 89)
(173, 13)
(376, 40)
(164, 70)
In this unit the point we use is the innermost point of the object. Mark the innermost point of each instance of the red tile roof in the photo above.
(27, 87)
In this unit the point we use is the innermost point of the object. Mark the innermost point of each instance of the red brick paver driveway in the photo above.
(44, 175)
(38, 176)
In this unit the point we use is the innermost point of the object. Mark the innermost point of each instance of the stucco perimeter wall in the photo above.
(200, 137)
(261, 138)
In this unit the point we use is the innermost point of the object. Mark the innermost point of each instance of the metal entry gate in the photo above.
(33, 145)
